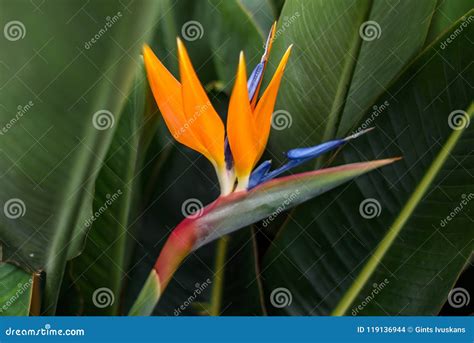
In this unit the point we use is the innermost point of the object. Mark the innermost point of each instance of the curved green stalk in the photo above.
(217, 288)
(399, 223)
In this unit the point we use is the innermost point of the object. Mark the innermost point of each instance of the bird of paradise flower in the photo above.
(248, 193)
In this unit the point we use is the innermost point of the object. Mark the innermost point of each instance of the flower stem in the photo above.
(217, 288)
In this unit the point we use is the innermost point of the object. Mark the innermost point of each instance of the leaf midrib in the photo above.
(405, 214)
(345, 81)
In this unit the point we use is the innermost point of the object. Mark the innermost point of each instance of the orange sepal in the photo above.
(199, 112)
(240, 126)
(168, 96)
(263, 111)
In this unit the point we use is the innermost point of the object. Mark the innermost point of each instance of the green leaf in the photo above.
(447, 12)
(262, 13)
(380, 246)
(243, 292)
(220, 20)
(100, 271)
(214, 33)
(334, 75)
(16, 288)
(57, 81)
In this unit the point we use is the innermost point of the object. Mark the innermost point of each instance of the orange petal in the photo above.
(263, 111)
(167, 92)
(266, 54)
(199, 112)
(240, 126)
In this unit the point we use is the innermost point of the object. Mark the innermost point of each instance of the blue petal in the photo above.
(296, 157)
(314, 151)
(257, 74)
(254, 79)
(259, 173)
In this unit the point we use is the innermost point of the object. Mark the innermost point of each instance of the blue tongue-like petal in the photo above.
(314, 151)
(295, 158)
(254, 80)
(257, 74)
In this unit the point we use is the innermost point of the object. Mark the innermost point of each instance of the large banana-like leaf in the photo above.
(383, 245)
(447, 12)
(63, 85)
(345, 54)
(16, 291)
(101, 270)
(214, 32)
